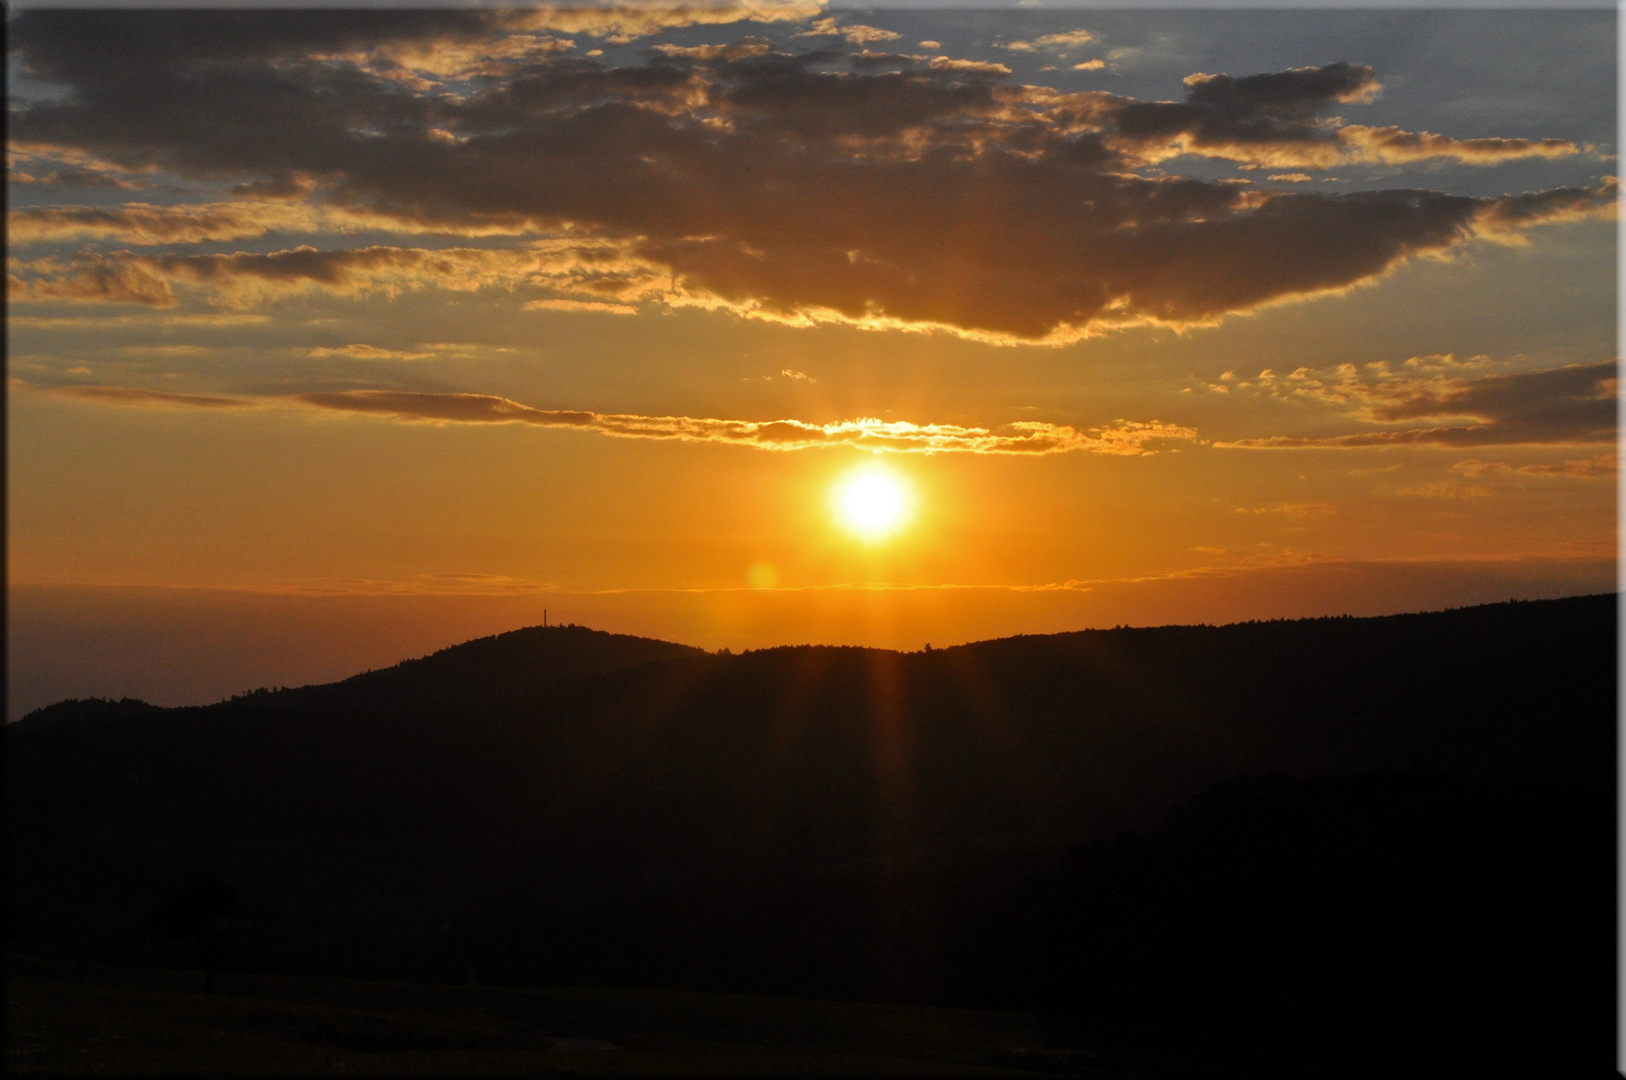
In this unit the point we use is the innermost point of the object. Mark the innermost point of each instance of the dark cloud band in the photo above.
(923, 192)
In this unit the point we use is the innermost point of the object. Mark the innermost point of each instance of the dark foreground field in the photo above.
(67, 1018)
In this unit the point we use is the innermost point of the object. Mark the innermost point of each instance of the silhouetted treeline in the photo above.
(1258, 841)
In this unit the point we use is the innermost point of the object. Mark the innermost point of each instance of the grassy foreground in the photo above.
(68, 1018)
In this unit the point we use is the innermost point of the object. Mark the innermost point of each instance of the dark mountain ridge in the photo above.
(797, 757)
(563, 804)
(493, 671)
(485, 672)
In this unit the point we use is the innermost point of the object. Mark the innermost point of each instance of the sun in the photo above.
(872, 502)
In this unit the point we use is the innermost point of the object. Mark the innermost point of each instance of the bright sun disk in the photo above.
(872, 502)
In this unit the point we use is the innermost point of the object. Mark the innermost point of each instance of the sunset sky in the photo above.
(338, 337)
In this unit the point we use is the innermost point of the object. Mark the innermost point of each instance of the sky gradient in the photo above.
(336, 337)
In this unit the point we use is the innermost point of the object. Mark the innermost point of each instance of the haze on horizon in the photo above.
(338, 337)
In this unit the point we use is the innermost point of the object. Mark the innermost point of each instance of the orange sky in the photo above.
(418, 322)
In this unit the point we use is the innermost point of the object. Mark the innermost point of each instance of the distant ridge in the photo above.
(505, 667)
(488, 670)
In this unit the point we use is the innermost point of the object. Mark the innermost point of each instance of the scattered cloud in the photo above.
(980, 67)
(852, 33)
(1066, 40)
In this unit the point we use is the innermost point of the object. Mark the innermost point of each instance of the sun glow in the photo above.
(872, 502)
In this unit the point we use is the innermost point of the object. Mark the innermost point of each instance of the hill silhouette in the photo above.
(1178, 831)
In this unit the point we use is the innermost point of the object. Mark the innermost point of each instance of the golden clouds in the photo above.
(1393, 144)
(852, 33)
(1064, 40)
(88, 278)
(622, 23)
(146, 224)
(1504, 219)
(980, 67)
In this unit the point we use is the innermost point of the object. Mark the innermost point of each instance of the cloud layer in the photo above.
(1121, 438)
(607, 273)
(883, 190)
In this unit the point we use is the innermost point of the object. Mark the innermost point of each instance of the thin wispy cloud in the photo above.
(1121, 438)
(865, 433)
(1439, 401)
(143, 398)
(1602, 466)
